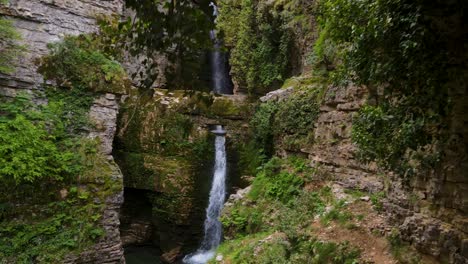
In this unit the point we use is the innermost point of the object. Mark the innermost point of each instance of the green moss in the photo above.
(225, 108)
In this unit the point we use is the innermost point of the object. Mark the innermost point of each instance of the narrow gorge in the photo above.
(233, 131)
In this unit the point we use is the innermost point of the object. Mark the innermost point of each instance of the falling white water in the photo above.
(219, 64)
(212, 236)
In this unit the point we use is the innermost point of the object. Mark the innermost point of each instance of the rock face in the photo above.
(164, 148)
(44, 21)
(430, 210)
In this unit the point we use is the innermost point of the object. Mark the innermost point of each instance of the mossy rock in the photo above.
(157, 173)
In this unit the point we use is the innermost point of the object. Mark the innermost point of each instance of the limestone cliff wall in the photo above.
(429, 210)
(44, 21)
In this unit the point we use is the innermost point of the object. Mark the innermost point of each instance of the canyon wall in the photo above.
(45, 21)
(430, 210)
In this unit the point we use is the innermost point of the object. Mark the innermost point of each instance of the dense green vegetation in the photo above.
(259, 42)
(397, 50)
(60, 219)
(275, 218)
(33, 144)
(57, 179)
(261, 38)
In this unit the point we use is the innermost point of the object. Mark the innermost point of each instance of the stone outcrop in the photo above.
(44, 21)
(430, 211)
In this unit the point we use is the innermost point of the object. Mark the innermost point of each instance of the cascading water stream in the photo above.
(219, 65)
(213, 228)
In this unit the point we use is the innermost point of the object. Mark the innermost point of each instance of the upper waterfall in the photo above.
(220, 79)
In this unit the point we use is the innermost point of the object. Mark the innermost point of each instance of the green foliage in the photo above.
(43, 227)
(32, 146)
(401, 52)
(9, 48)
(388, 42)
(251, 158)
(77, 63)
(274, 221)
(242, 221)
(288, 123)
(69, 225)
(259, 40)
(385, 134)
(276, 184)
(275, 248)
(296, 114)
(327, 252)
(28, 152)
(43, 148)
(173, 130)
(294, 218)
(262, 126)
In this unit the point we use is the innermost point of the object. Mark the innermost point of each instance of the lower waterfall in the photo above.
(212, 235)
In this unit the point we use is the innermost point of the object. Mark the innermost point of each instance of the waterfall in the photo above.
(212, 235)
(219, 63)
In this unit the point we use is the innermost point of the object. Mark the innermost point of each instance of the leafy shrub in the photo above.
(327, 252)
(297, 114)
(173, 130)
(376, 200)
(275, 184)
(76, 62)
(288, 122)
(337, 213)
(262, 125)
(251, 158)
(299, 213)
(42, 148)
(242, 220)
(29, 149)
(264, 248)
(384, 134)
